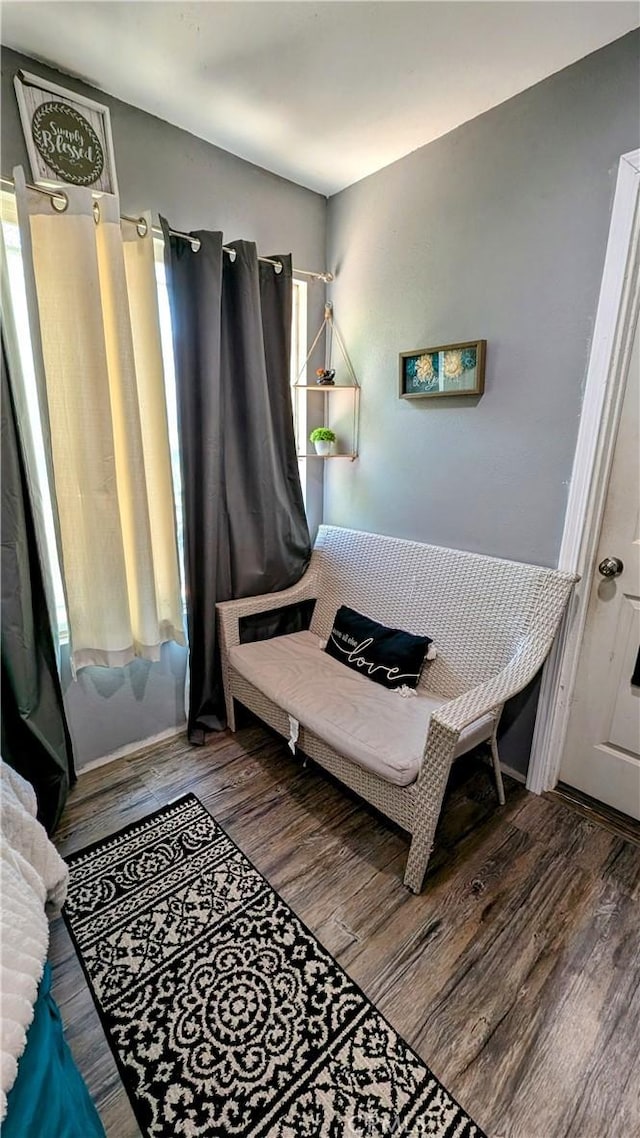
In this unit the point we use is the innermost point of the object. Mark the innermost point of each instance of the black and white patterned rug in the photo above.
(226, 1016)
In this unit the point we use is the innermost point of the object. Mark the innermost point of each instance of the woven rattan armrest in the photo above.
(445, 726)
(231, 612)
(492, 693)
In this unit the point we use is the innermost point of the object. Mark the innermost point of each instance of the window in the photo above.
(298, 359)
(298, 329)
(18, 300)
(171, 396)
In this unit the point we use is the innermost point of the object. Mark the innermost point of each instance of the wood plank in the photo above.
(117, 1115)
(622, 825)
(557, 827)
(91, 818)
(570, 1075)
(623, 867)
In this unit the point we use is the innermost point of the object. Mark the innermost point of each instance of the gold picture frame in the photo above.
(445, 372)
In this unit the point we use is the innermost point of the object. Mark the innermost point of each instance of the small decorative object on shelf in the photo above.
(323, 439)
(454, 369)
(326, 376)
(340, 404)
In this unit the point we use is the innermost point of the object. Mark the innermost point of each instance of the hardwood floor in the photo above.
(620, 824)
(515, 975)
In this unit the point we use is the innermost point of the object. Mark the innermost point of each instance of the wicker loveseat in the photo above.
(492, 623)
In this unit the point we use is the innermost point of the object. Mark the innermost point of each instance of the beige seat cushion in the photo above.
(367, 723)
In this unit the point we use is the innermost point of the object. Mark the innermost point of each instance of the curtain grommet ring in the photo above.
(232, 254)
(195, 244)
(59, 202)
(96, 213)
(141, 227)
(278, 267)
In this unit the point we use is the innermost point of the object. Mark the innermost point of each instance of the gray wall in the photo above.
(195, 185)
(496, 231)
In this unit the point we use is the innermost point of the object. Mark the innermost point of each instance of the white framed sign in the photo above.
(68, 137)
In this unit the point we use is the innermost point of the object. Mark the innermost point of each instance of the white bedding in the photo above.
(32, 876)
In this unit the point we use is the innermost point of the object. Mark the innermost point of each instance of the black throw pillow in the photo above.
(388, 656)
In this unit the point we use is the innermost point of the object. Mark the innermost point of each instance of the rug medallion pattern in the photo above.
(226, 1016)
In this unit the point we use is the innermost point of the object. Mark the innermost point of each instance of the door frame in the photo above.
(599, 419)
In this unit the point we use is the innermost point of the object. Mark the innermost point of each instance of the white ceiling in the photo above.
(322, 93)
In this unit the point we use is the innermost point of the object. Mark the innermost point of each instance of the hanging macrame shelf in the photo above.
(329, 412)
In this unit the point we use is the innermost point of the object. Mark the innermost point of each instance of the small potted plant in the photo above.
(323, 439)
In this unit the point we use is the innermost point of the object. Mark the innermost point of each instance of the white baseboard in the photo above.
(519, 777)
(131, 748)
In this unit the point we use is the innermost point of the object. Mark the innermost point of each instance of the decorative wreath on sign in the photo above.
(68, 143)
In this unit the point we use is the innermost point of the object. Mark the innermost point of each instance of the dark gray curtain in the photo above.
(35, 736)
(245, 526)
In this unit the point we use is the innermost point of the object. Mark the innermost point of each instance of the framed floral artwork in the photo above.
(453, 369)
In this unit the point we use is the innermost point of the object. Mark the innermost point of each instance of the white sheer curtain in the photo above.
(93, 306)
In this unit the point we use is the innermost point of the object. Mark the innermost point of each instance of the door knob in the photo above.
(610, 567)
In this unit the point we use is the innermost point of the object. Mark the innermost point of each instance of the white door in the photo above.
(602, 750)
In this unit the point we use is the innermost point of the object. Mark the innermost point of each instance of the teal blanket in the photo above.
(49, 1098)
